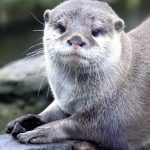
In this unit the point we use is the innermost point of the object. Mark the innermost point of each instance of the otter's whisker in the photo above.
(32, 47)
(41, 82)
(37, 19)
(38, 51)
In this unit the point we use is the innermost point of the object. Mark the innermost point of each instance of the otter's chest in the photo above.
(71, 96)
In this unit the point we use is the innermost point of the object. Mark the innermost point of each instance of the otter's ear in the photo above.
(47, 15)
(119, 24)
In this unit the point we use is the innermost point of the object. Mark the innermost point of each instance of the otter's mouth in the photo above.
(75, 56)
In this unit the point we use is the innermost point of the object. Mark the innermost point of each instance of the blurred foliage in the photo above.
(20, 9)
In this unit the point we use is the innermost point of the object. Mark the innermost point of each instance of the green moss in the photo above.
(20, 107)
(8, 112)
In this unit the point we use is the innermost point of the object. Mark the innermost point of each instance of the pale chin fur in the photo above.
(106, 54)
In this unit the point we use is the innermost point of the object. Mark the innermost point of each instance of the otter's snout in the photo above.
(76, 40)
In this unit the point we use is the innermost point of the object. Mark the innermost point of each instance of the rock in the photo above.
(23, 76)
(7, 142)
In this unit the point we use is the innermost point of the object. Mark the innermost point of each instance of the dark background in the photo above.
(18, 33)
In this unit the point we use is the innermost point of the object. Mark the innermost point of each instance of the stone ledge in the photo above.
(7, 142)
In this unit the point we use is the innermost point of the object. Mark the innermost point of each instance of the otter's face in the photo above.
(83, 35)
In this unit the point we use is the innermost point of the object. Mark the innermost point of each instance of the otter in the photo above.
(99, 76)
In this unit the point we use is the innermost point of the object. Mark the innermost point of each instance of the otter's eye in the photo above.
(99, 31)
(61, 28)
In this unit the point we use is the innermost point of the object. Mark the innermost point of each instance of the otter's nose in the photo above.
(76, 40)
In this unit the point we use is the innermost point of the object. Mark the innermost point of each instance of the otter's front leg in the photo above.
(51, 132)
(53, 113)
(29, 122)
(77, 127)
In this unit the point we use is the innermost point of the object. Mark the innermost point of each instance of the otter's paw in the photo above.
(37, 136)
(28, 122)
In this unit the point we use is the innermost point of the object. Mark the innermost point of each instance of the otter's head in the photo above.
(83, 33)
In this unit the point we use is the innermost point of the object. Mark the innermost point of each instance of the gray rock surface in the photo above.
(8, 143)
(18, 76)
